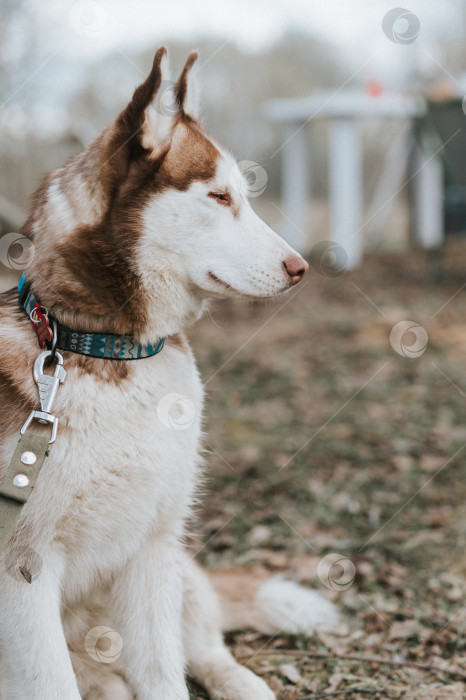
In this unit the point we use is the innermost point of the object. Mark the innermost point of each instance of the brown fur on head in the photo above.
(85, 217)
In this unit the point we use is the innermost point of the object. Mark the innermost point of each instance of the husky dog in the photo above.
(132, 237)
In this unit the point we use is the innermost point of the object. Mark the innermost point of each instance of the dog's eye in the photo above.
(221, 197)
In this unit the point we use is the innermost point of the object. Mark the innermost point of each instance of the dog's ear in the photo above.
(148, 121)
(150, 116)
(161, 110)
(187, 87)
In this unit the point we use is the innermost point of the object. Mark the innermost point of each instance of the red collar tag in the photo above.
(41, 325)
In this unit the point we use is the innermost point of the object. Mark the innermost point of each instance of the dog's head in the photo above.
(153, 218)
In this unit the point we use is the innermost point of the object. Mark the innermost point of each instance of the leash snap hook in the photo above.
(47, 385)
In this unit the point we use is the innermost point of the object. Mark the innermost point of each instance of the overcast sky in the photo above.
(101, 24)
(87, 29)
(70, 32)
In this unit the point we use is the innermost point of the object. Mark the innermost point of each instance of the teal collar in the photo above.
(104, 345)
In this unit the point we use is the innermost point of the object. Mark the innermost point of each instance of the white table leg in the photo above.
(295, 187)
(345, 188)
(428, 199)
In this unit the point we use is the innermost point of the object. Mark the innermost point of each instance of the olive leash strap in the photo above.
(32, 449)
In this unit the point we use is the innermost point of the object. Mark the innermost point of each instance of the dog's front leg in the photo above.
(32, 641)
(146, 605)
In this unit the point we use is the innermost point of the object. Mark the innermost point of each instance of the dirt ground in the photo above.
(322, 440)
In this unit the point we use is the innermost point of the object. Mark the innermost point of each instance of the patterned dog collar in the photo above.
(107, 346)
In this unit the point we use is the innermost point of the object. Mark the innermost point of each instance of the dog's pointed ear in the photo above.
(161, 112)
(187, 87)
(151, 114)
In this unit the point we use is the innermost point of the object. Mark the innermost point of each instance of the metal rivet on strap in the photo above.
(28, 458)
(21, 480)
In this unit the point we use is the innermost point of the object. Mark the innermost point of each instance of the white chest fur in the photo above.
(124, 465)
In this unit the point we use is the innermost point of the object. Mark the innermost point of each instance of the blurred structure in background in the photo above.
(344, 110)
(67, 68)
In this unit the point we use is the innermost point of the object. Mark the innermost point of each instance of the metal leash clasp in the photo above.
(48, 385)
